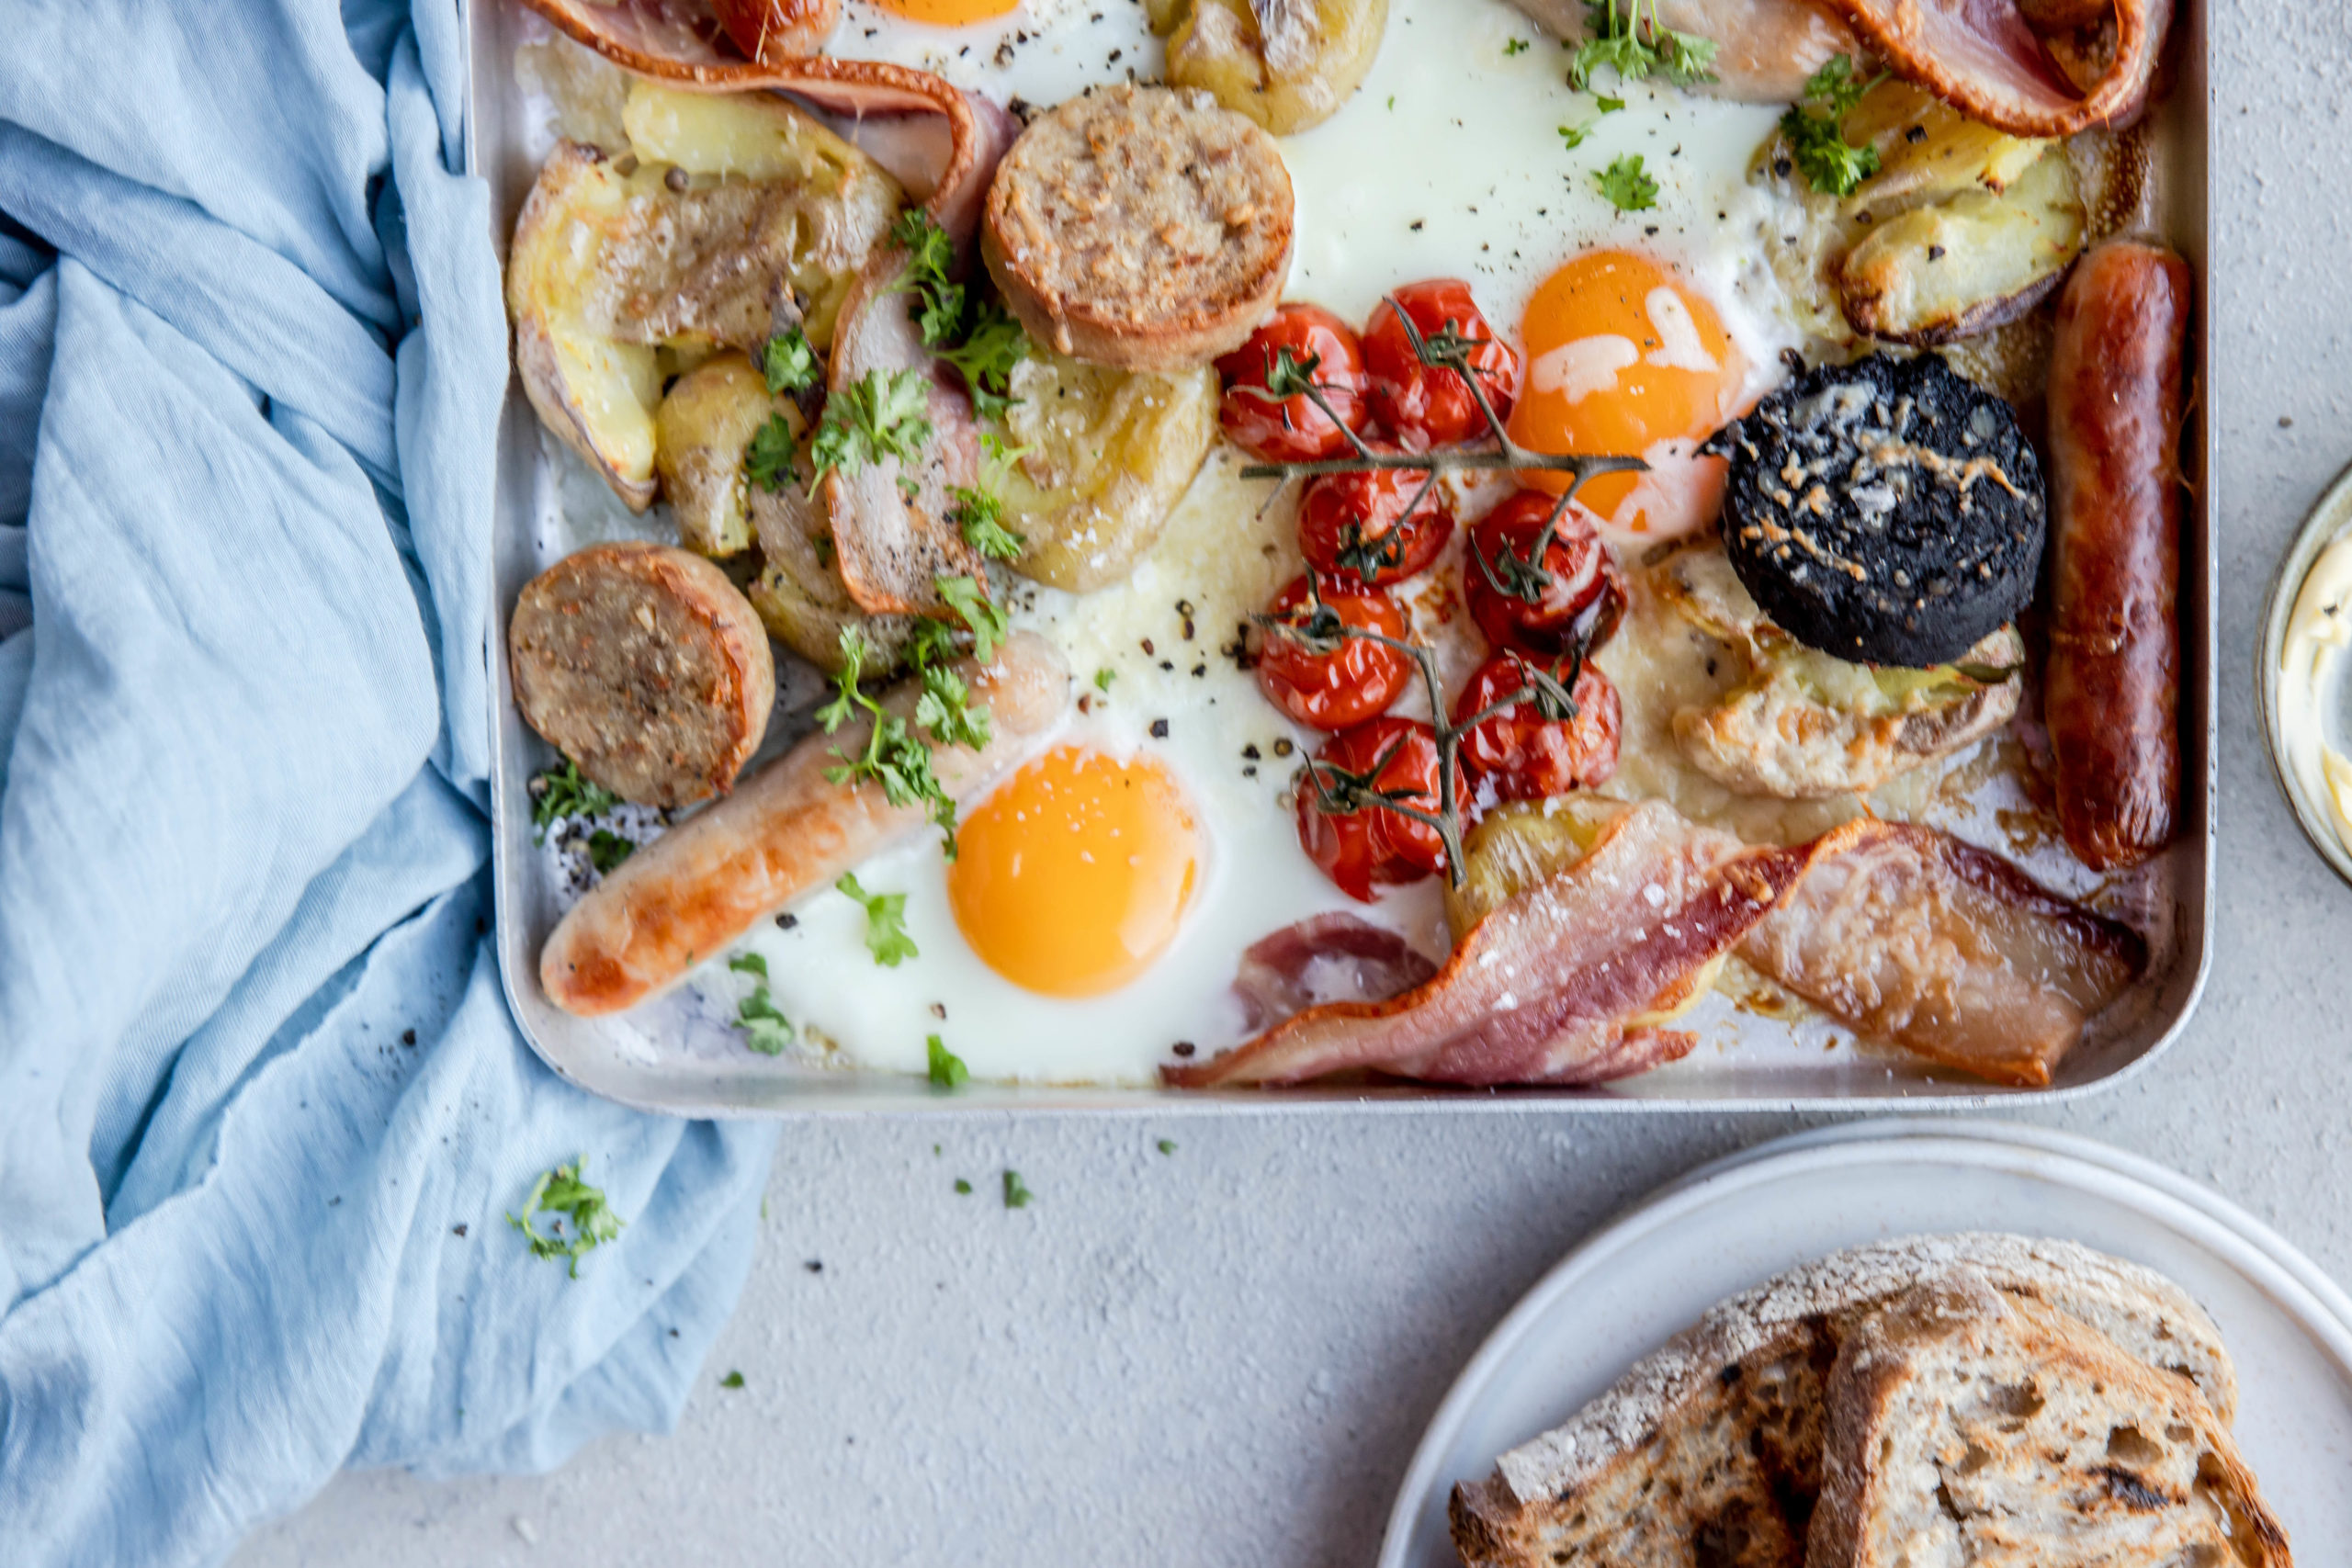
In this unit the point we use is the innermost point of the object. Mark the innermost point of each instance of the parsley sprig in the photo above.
(789, 363)
(884, 413)
(1816, 136)
(1602, 106)
(972, 331)
(897, 757)
(561, 1195)
(886, 923)
(1624, 42)
(768, 456)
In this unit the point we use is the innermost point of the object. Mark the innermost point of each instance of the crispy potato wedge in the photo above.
(1288, 64)
(596, 392)
(1969, 265)
(1103, 456)
(1801, 725)
(706, 420)
(1928, 152)
(732, 199)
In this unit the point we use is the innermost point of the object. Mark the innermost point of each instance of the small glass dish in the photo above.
(2303, 676)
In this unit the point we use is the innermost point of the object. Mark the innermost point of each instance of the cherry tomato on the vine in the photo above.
(1332, 687)
(1427, 405)
(1354, 525)
(1525, 752)
(1267, 411)
(1372, 843)
(1574, 602)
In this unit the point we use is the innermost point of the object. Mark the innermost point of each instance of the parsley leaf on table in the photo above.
(561, 1195)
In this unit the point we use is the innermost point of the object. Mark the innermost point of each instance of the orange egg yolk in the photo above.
(949, 12)
(1071, 877)
(1621, 355)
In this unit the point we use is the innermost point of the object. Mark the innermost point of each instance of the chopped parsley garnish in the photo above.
(561, 1196)
(1628, 186)
(947, 1069)
(894, 757)
(1102, 679)
(1016, 1191)
(765, 1030)
(732, 1379)
(606, 851)
(561, 792)
(886, 923)
(946, 709)
(767, 460)
(1515, 46)
(987, 621)
(1574, 135)
(1168, 1145)
(974, 333)
(961, 1185)
(885, 414)
(980, 516)
(1830, 164)
(1634, 49)
(788, 363)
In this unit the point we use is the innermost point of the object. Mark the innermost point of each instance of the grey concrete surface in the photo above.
(1225, 1355)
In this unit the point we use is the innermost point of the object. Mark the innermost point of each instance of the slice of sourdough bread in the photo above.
(1971, 1429)
(1708, 1450)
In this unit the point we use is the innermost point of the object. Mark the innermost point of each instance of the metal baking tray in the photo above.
(661, 1062)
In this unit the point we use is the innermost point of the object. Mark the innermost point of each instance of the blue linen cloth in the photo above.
(262, 1106)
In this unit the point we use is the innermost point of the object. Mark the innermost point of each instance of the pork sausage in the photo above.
(2111, 695)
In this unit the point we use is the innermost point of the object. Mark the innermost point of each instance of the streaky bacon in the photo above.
(695, 40)
(1915, 937)
(1542, 990)
(1325, 958)
(1982, 58)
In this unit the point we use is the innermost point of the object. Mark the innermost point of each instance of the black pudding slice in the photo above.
(1888, 511)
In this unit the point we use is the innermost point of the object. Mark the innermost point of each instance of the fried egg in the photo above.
(1104, 891)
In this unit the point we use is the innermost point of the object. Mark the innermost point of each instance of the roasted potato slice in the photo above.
(1968, 265)
(732, 199)
(1928, 152)
(705, 424)
(1802, 725)
(1103, 456)
(1288, 64)
(790, 199)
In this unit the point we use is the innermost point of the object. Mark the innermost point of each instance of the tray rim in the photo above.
(695, 1089)
(2327, 1312)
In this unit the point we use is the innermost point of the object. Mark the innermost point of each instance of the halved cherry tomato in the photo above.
(1372, 844)
(1523, 754)
(1333, 688)
(1580, 604)
(1354, 525)
(1291, 429)
(1426, 405)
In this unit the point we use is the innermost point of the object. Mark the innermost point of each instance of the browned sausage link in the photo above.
(786, 829)
(2112, 695)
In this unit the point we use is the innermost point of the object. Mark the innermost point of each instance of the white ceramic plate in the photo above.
(1740, 1221)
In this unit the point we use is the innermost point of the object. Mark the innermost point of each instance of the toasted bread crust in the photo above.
(1141, 227)
(1750, 1465)
(647, 667)
(2043, 1441)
